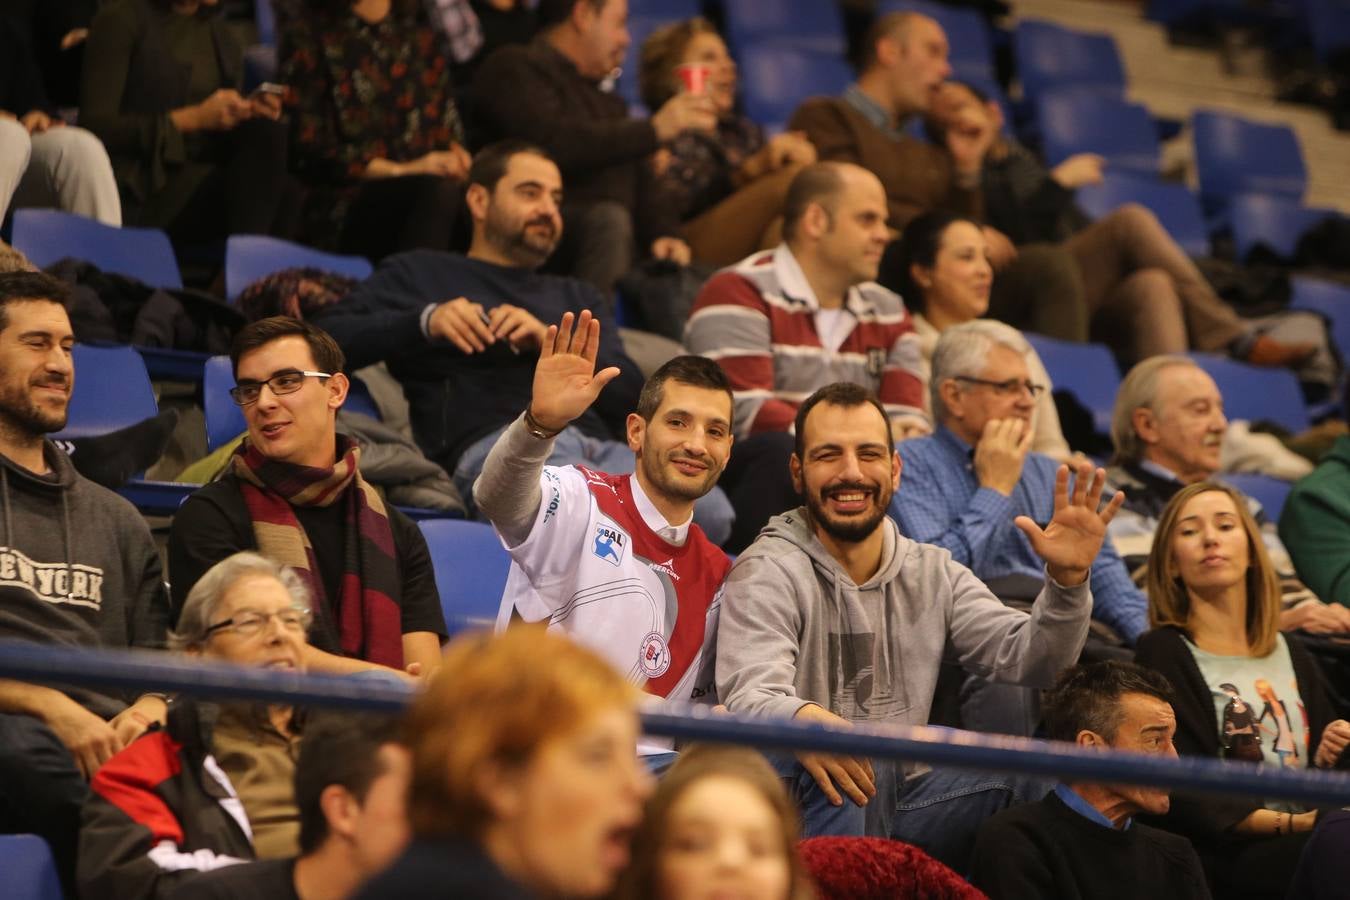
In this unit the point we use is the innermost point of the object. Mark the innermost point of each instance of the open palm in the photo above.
(565, 380)
(1074, 535)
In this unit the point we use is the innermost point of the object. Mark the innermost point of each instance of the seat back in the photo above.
(775, 79)
(1073, 120)
(266, 20)
(1269, 492)
(249, 257)
(1271, 219)
(28, 869)
(1051, 56)
(1254, 393)
(1234, 155)
(471, 566)
(640, 27)
(815, 25)
(1175, 206)
(112, 391)
(971, 47)
(1331, 300)
(48, 235)
(1327, 23)
(1088, 371)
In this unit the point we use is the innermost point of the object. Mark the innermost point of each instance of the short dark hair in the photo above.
(890, 25)
(327, 354)
(818, 183)
(695, 371)
(1087, 697)
(339, 748)
(842, 393)
(554, 12)
(490, 163)
(17, 287)
(918, 245)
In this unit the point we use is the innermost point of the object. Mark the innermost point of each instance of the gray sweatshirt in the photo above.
(795, 629)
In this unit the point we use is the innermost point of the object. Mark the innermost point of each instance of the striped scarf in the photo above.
(368, 619)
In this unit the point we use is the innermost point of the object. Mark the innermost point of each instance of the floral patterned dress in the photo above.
(359, 91)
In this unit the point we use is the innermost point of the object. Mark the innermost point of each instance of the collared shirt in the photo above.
(941, 502)
(832, 325)
(653, 519)
(1074, 801)
(872, 111)
(260, 762)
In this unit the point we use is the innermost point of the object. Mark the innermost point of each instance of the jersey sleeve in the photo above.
(549, 556)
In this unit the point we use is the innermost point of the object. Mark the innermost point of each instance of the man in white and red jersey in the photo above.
(615, 560)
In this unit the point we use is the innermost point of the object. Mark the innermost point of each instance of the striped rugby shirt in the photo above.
(759, 320)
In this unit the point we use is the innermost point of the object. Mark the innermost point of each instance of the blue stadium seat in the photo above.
(27, 867)
(1269, 492)
(47, 235)
(1234, 156)
(1255, 394)
(1175, 206)
(249, 257)
(1088, 371)
(971, 49)
(1074, 120)
(266, 20)
(112, 391)
(1273, 220)
(1051, 56)
(471, 567)
(664, 9)
(225, 420)
(1327, 23)
(814, 25)
(775, 79)
(640, 28)
(1331, 300)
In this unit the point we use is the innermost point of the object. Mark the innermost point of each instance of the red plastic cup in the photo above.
(694, 76)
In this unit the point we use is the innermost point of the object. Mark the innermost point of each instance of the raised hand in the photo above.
(565, 380)
(1071, 541)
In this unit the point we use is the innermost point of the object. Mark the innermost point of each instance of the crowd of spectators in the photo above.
(851, 413)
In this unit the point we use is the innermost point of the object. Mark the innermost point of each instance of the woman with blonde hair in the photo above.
(1214, 605)
(720, 824)
(525, 782)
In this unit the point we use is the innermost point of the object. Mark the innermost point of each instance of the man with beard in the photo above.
(832, 616)
(615, 560)
(474, 354)
(77, 568)
(1082, 840)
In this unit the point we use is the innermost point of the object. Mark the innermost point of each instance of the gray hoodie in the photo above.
(795, 629)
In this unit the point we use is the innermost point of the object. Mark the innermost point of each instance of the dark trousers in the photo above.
(41, 790)
(759, 485)
(389, 215)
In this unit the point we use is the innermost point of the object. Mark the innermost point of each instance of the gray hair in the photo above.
(207, 593)
(1139, 390)
(963, 351)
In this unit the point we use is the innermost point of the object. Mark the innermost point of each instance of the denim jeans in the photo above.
(712, 511)
(41, 789)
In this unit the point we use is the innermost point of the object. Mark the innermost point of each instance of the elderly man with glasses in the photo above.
(293, 493)
(214, 786)
(966, 483)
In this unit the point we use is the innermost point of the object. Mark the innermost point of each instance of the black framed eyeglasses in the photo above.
(1007, 388)
(287, 382)
(251, 622)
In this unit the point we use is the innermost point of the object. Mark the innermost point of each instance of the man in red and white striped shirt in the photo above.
(785, 322)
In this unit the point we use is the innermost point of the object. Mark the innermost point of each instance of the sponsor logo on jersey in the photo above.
(555, 498)
(609, 543)
(667, 567)
(655, 655)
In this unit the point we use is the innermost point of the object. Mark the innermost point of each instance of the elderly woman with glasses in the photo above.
(214, 786)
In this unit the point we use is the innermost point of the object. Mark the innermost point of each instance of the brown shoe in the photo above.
(1266, 351)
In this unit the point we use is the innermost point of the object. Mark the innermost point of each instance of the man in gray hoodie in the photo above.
(832, 616)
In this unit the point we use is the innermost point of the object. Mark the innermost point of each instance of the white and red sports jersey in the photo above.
(592, 568)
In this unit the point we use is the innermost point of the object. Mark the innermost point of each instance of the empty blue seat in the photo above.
(640, 27)
(807, 24)
(1073, 120)
(47, 235)
(471, 567)
(112, 391)
(775, 79)
(970, 47)
(1256, 394)
(1269, 492)
(225, 420)
(1175, 206)
(1234, 156)
(1331, 300)
(28, 869)
(1088, 371)
(249, 257)
(1051, 56)
(1273, 220)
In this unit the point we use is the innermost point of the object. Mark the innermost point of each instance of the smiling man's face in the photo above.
(848, 469)
(36, 372)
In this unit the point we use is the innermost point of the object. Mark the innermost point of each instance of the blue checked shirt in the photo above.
(940, 502)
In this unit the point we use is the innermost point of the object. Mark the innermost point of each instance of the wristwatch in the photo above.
(536, 430)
